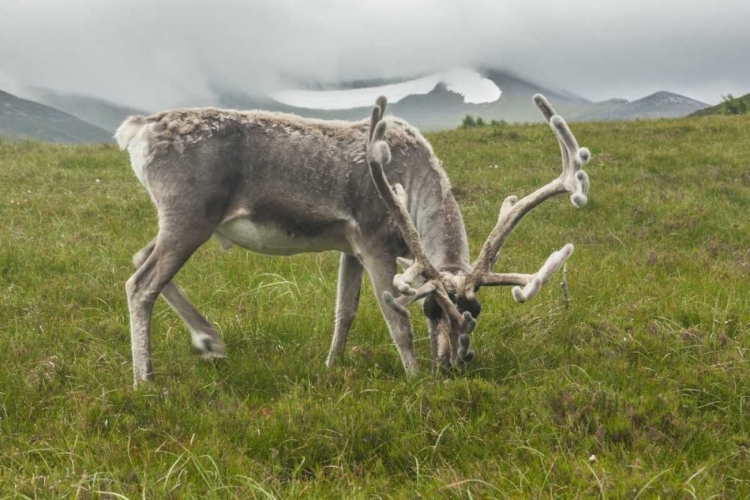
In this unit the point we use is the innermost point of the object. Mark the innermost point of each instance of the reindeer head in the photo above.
(450, 302)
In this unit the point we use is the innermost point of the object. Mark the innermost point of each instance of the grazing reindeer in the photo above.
(451, 306)
(280, 184)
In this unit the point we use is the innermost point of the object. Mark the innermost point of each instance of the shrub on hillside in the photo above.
(733, 106)
(468, 122)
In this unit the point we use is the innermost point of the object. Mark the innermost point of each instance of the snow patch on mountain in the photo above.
(471, 85)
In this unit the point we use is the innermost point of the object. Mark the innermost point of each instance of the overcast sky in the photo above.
(159, 53)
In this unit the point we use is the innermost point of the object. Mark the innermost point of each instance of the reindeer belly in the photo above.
(269, 239)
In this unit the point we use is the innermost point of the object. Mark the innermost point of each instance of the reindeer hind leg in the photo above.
(171, 250)
(204, 336)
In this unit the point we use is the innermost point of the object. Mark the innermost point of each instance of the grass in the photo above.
(640, 390)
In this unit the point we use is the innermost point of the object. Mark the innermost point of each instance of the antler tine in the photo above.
(404, 262)
(576, 181)
(548, 112)
(378, 112)
(544, 106)
(572, 180)
(374, 119)
(382, 103)
(464, 353)
(400, 304)
(531, 283)
(465, 322)
(550, 267)
(567, 141)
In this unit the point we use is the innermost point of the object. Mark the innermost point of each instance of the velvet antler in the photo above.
(572, 180)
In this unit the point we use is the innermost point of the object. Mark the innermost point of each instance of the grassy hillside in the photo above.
(640, 390)
(730, 106)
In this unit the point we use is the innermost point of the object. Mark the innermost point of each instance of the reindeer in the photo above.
(280, 184)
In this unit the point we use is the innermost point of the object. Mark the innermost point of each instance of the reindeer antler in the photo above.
(378, 154)
(573, 180)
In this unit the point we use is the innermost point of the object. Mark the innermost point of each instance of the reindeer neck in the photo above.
(439, 222)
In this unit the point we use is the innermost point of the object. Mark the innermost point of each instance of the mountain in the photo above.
(441, 106)
(721, 109)
(594, 110)
(658, 105)
(103, 114)
(22, 119)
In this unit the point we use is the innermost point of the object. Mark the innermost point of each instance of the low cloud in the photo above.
(159, 54)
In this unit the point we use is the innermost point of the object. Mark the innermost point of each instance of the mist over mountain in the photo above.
(171, 53)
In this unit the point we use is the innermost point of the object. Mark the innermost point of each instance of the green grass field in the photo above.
(640, 390)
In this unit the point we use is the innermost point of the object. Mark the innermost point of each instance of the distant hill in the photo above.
(24, 119)
(103, 114)
(659, 105)
(719, 108)
(594, 110)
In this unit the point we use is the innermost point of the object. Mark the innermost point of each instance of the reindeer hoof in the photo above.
(209, 346)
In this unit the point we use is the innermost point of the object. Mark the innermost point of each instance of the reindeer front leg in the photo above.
(381, 266)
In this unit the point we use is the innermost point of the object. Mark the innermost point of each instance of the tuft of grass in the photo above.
(640, 390)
